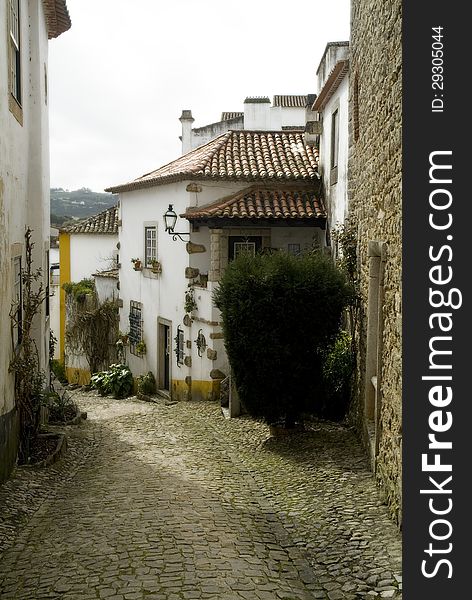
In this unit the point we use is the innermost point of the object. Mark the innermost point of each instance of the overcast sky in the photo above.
(120, 77)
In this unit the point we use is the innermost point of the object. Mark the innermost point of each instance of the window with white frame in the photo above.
(150, 245)
(15, 58)
(17, 297)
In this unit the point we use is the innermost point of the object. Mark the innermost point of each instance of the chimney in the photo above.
(257, 113)
(186, 119)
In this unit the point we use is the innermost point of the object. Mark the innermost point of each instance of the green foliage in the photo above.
(146, 384)
(59, 370)
(61, 406)
(80, 290)
(338, 367)
(279, 312)
(141, 348)
(117, 381)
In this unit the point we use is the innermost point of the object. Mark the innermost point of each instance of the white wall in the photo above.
(24, 176)
(90, 253)
(336, 194)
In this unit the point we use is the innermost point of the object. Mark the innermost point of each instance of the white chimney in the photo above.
(257, 113)
(186, 119)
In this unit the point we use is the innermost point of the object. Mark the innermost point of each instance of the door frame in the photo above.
(160, 353)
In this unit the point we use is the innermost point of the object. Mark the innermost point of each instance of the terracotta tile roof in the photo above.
(57, 17)
(257, 100)
(104, 222)
(261, 202)
(226, 116)
(239, 156)
(290, 101)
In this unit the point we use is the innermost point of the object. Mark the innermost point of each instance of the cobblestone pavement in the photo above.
(159, 502)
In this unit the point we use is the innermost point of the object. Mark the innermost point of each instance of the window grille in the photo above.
(179, 346)
(244, 248)
(135, 325)
(150, 249)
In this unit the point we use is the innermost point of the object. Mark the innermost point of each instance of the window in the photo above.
(244, 244)
(294, 249)
(150, 245)
(17, 297)
(15, 60)
(135, 325)
(334, 138)
(179, 346)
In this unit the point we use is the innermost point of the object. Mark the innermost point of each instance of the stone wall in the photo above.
(375, 208)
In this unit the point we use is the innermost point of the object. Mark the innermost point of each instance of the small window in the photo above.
(294, 249)
(179, 346)
(15, 59)
(243, 245)
(334, 138)
(135, 325)
(150, 248)
(17, 297)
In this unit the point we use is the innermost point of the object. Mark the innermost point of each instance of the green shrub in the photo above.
(79, 290)
(117, 381)
(59, 370)
(338, 366)
(279, 312)
(146, 384)
(61, 406)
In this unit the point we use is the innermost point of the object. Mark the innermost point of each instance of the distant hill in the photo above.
(78, 204)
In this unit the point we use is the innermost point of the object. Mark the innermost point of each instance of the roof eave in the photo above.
(332, 83)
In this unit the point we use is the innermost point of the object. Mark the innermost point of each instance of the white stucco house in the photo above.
(285, 112)
(88, 248)
(25, 28)
(332, 106)
(242, 191)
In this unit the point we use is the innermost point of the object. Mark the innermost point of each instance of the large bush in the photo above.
(338, 367)
(279, 313)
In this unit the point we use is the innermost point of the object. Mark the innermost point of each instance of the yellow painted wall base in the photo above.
(80, 376)
(199, 390)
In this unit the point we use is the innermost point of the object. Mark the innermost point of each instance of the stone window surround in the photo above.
(377, 257)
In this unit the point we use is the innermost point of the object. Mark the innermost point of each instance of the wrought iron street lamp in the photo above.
(170, 219)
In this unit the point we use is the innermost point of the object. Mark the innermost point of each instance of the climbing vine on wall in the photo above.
(25, 364)
(92, 328)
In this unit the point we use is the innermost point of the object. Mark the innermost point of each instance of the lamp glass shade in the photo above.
(170, 218)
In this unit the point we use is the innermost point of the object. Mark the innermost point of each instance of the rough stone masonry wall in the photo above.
(375, 206)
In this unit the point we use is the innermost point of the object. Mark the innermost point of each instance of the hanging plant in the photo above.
(156, 266)
(137, 264)
(141, 348)
(190, 302)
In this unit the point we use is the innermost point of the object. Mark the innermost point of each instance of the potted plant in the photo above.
(137, 264)
(156, 266)
(141, 348)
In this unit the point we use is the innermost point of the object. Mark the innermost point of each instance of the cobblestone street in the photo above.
(161, 502)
